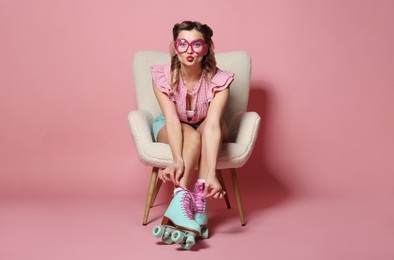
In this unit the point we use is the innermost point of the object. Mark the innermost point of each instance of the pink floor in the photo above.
(280, 228)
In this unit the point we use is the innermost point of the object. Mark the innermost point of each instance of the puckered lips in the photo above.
(189, 58)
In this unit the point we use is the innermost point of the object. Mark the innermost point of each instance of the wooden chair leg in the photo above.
(221, 181)
(151, 190)
(238, 196)
(156, 191)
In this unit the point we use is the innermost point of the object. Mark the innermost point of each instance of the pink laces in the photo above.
(188, 199)
(199, 198)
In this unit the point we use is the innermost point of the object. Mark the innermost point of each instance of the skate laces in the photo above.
(187, 199)
(199, 198)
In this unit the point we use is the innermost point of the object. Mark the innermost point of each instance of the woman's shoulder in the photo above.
(160, 69)
(220, 81)
(221, 77)
(161, 75)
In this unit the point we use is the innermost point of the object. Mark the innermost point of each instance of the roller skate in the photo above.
(201, 208)
(178, 223)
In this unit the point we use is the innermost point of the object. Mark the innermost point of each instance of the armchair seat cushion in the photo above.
(232, 155)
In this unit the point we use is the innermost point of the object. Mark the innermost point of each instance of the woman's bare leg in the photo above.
(211, 139)
(190, 150)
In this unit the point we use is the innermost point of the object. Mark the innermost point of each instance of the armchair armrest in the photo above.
(248, 129)
(245, 127)
(140, 128)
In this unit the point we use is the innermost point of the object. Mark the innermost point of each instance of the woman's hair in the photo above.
(208, 62)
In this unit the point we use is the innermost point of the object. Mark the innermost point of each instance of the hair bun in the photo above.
(208, 30)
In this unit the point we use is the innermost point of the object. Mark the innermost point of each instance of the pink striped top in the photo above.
(203, 92)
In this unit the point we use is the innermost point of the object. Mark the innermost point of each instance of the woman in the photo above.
(192, 93)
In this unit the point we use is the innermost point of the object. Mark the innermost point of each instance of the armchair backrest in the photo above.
(237, 62)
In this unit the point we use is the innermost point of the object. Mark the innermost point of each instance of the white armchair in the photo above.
(243, 125)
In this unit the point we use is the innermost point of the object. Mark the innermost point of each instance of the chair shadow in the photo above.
(260, 187)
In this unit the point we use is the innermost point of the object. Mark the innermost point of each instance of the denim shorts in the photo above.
(160, 121)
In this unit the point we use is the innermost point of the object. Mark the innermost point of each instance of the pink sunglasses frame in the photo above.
(190, 44)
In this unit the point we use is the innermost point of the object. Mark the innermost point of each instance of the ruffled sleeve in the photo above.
(161, 75)
(220, 81)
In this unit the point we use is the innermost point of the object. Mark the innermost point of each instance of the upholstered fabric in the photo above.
(243, 125)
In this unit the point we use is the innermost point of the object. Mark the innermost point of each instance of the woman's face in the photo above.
(190, 47)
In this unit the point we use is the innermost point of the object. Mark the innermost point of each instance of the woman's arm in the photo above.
(174, 132)
(212, 139)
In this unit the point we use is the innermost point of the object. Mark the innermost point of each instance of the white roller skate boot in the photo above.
(201, 209)
(178, 224)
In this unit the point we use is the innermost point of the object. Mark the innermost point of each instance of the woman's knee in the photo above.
(191, 138)
(194, 138)
(162, 135)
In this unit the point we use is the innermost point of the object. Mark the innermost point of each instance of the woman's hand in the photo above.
(213, 188)
(172, 173)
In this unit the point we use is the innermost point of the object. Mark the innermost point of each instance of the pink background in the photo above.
(322, 80)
